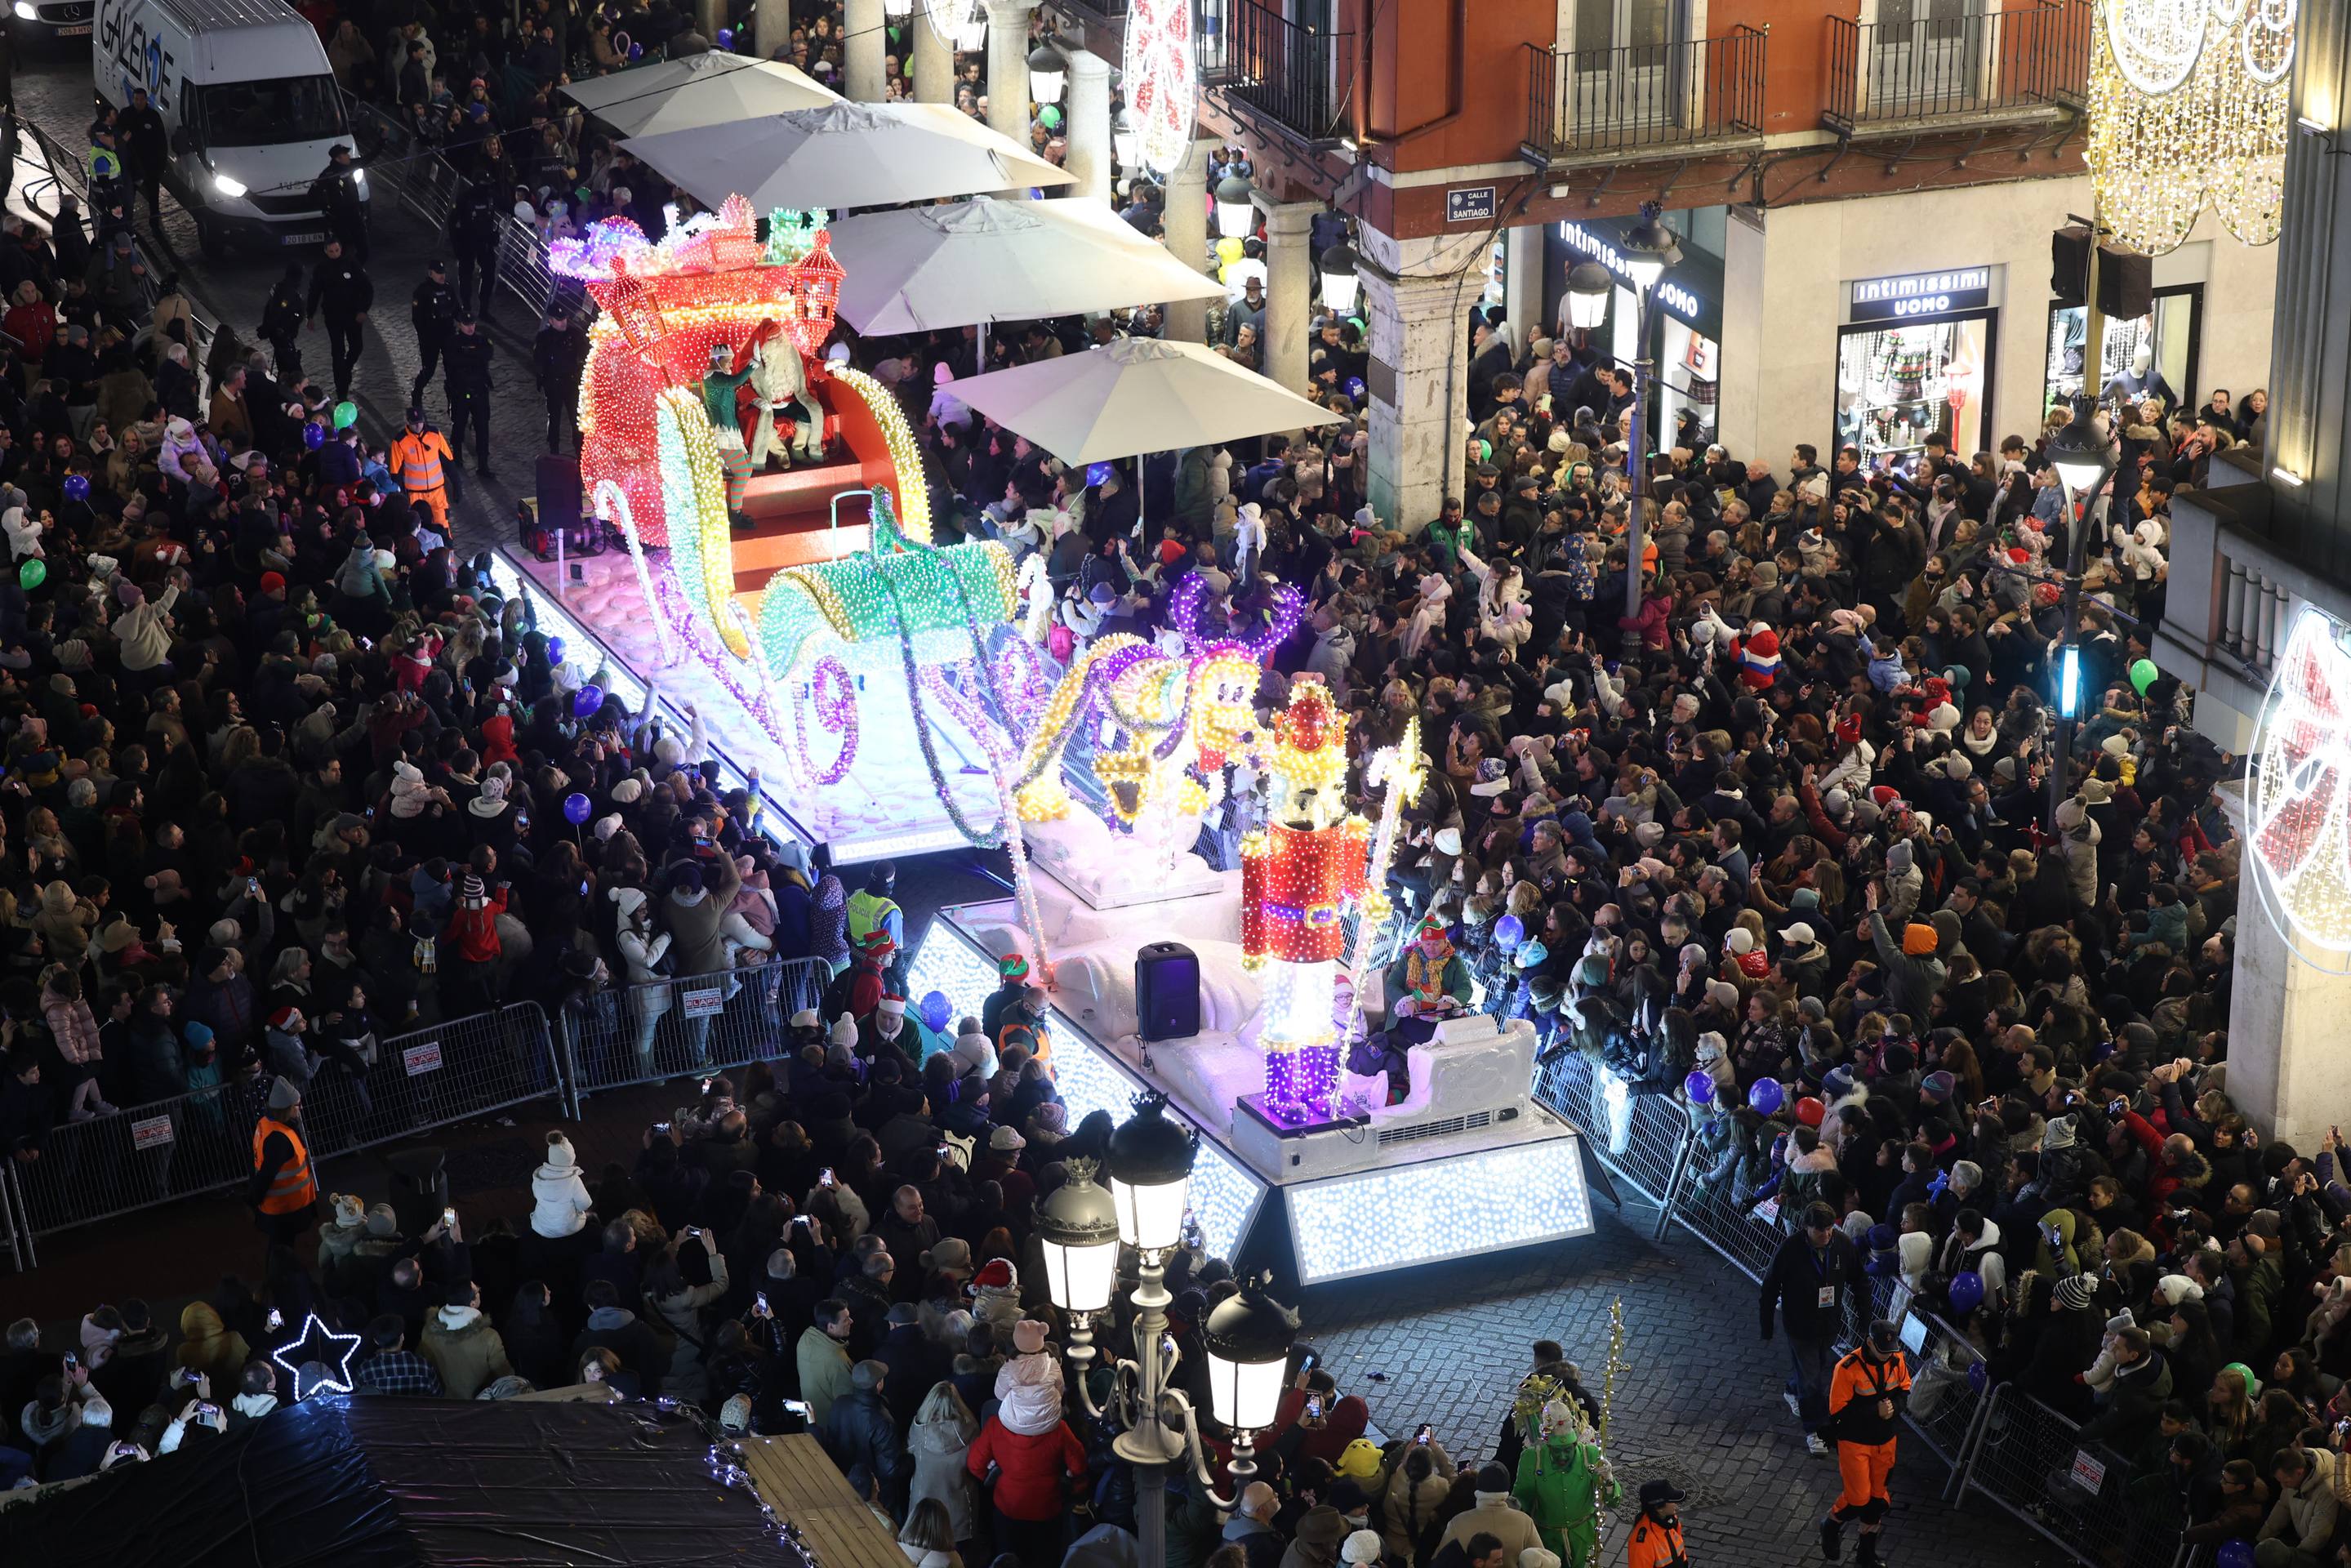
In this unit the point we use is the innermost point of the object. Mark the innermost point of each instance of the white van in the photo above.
(249, 101)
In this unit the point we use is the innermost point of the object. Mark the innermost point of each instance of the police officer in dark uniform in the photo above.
(337, 192)
(474, 228)
(341, 291)
(146, 147)
(466, 362)
(433, 311)
(555, 360)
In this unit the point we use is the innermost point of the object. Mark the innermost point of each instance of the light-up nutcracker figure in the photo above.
(1298, 876)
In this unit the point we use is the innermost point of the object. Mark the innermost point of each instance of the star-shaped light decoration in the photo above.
(322, 1346)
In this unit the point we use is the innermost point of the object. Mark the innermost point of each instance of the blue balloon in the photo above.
(555, 650)
(77, 487)
(726, 37)
(1509, 930)
(314, 435)
(1767, 1096)
(936, 1010)
(1098, 472)
(1354, 387)
(1978, 1375)
(636, 53)
(1699, 1086)
(1967, 1290)
(2235, 1554)
(586, 701)
(575, 807)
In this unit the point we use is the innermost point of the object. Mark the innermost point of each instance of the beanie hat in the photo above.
(845, 1031)
(1493, 1477)
(283, 1094)
(1028, 1336)
(558, 1152)
(2076, 1292)
(1918, 940)
(2069, 814)
(1937, 1086)
(1361, 1547)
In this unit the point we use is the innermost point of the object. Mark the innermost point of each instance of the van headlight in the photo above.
(25, 10)
(227, 184)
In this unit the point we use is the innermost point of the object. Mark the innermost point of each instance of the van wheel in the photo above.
(209, 239)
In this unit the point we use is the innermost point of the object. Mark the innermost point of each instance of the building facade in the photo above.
(1864, 198)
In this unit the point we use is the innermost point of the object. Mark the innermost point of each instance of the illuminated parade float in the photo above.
(899, 690)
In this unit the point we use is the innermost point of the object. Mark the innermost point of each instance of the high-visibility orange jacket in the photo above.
(293, 1190)
(415, 460)
(1856, 1387)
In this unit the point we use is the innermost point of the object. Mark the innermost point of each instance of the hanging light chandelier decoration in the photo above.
(2189, 108)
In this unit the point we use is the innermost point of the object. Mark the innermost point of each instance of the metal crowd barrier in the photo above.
(2085, 1498)
(21, 1255)
(203, 1142)
(695, 1023)
(1639, 1137)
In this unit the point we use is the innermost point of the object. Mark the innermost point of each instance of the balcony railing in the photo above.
(1953, 64)
(1268, 69)
(1588, 103)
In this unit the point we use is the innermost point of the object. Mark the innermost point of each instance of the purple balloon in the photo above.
(726, 37)
(1699, 1086)
(314, 435)
(586, 701)
(77, 487)
(1510, 930)
(1767, 1096)
(1967, 1290)
(936, 1010)
(555, 650)
(575, 809)
(2235, 1554)
(1979, 1375)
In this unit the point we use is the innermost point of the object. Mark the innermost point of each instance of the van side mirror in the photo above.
(183, 142)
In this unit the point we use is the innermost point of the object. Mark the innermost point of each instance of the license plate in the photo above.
(303, 239)
(80, 32)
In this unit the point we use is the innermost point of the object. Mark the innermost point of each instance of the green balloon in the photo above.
(33, 573)
(1049, 117)
(347, 415)
(2142, 675)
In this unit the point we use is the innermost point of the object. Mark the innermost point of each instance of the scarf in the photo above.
(428, 957)
(1425, 976)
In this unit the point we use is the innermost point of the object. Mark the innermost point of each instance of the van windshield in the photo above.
(260, 114)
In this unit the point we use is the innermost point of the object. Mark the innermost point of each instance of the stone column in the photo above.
(771, 28)
(1292, 290)
(1007, 66)
(1522, 285)
(1420, 399)
(709, 16)
(935, 62)
(866, 46)
(1086, 120)
(1184, 221)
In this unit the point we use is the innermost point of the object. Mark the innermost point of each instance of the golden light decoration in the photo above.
(2189, 108)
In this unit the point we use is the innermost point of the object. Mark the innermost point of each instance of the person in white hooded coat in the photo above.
(559, 1201)
(642, 949)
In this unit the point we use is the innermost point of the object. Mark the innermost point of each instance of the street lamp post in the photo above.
(1646, 254)
(2083, 459)
(1081, 1226)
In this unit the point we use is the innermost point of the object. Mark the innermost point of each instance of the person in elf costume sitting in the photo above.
(1565, 1480)
(1426, 986)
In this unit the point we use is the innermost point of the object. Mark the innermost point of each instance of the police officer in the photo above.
(466, 359)
(474, 228)
(433, 311)
(109, 188)
(337, 192)
(557, 358)
(146, 147)
(343, 292)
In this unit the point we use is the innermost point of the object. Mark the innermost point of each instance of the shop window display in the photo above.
(1899, 385)
(2155, 353)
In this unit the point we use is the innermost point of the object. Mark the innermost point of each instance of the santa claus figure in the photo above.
(782, 416)
(1759, 658)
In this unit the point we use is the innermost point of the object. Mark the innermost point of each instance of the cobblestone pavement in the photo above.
(1702, 1404)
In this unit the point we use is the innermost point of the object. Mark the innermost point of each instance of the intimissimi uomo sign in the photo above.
(1910, 294)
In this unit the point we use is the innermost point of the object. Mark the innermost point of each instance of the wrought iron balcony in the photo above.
(1928, 65)
(1618, 104)
(1282, 77)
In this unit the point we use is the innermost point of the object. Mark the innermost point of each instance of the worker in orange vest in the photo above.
(283, 1190)
(1868, 1393)
(416, 459)
(1658, 1534)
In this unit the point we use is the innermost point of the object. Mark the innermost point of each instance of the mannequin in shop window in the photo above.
(2142, 381)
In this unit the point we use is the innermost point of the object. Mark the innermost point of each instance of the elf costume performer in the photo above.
(1564, 1481)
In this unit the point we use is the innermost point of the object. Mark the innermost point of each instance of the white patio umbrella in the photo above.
(708, 89)
(845, 155)
(1133, 396)
(972, 263)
